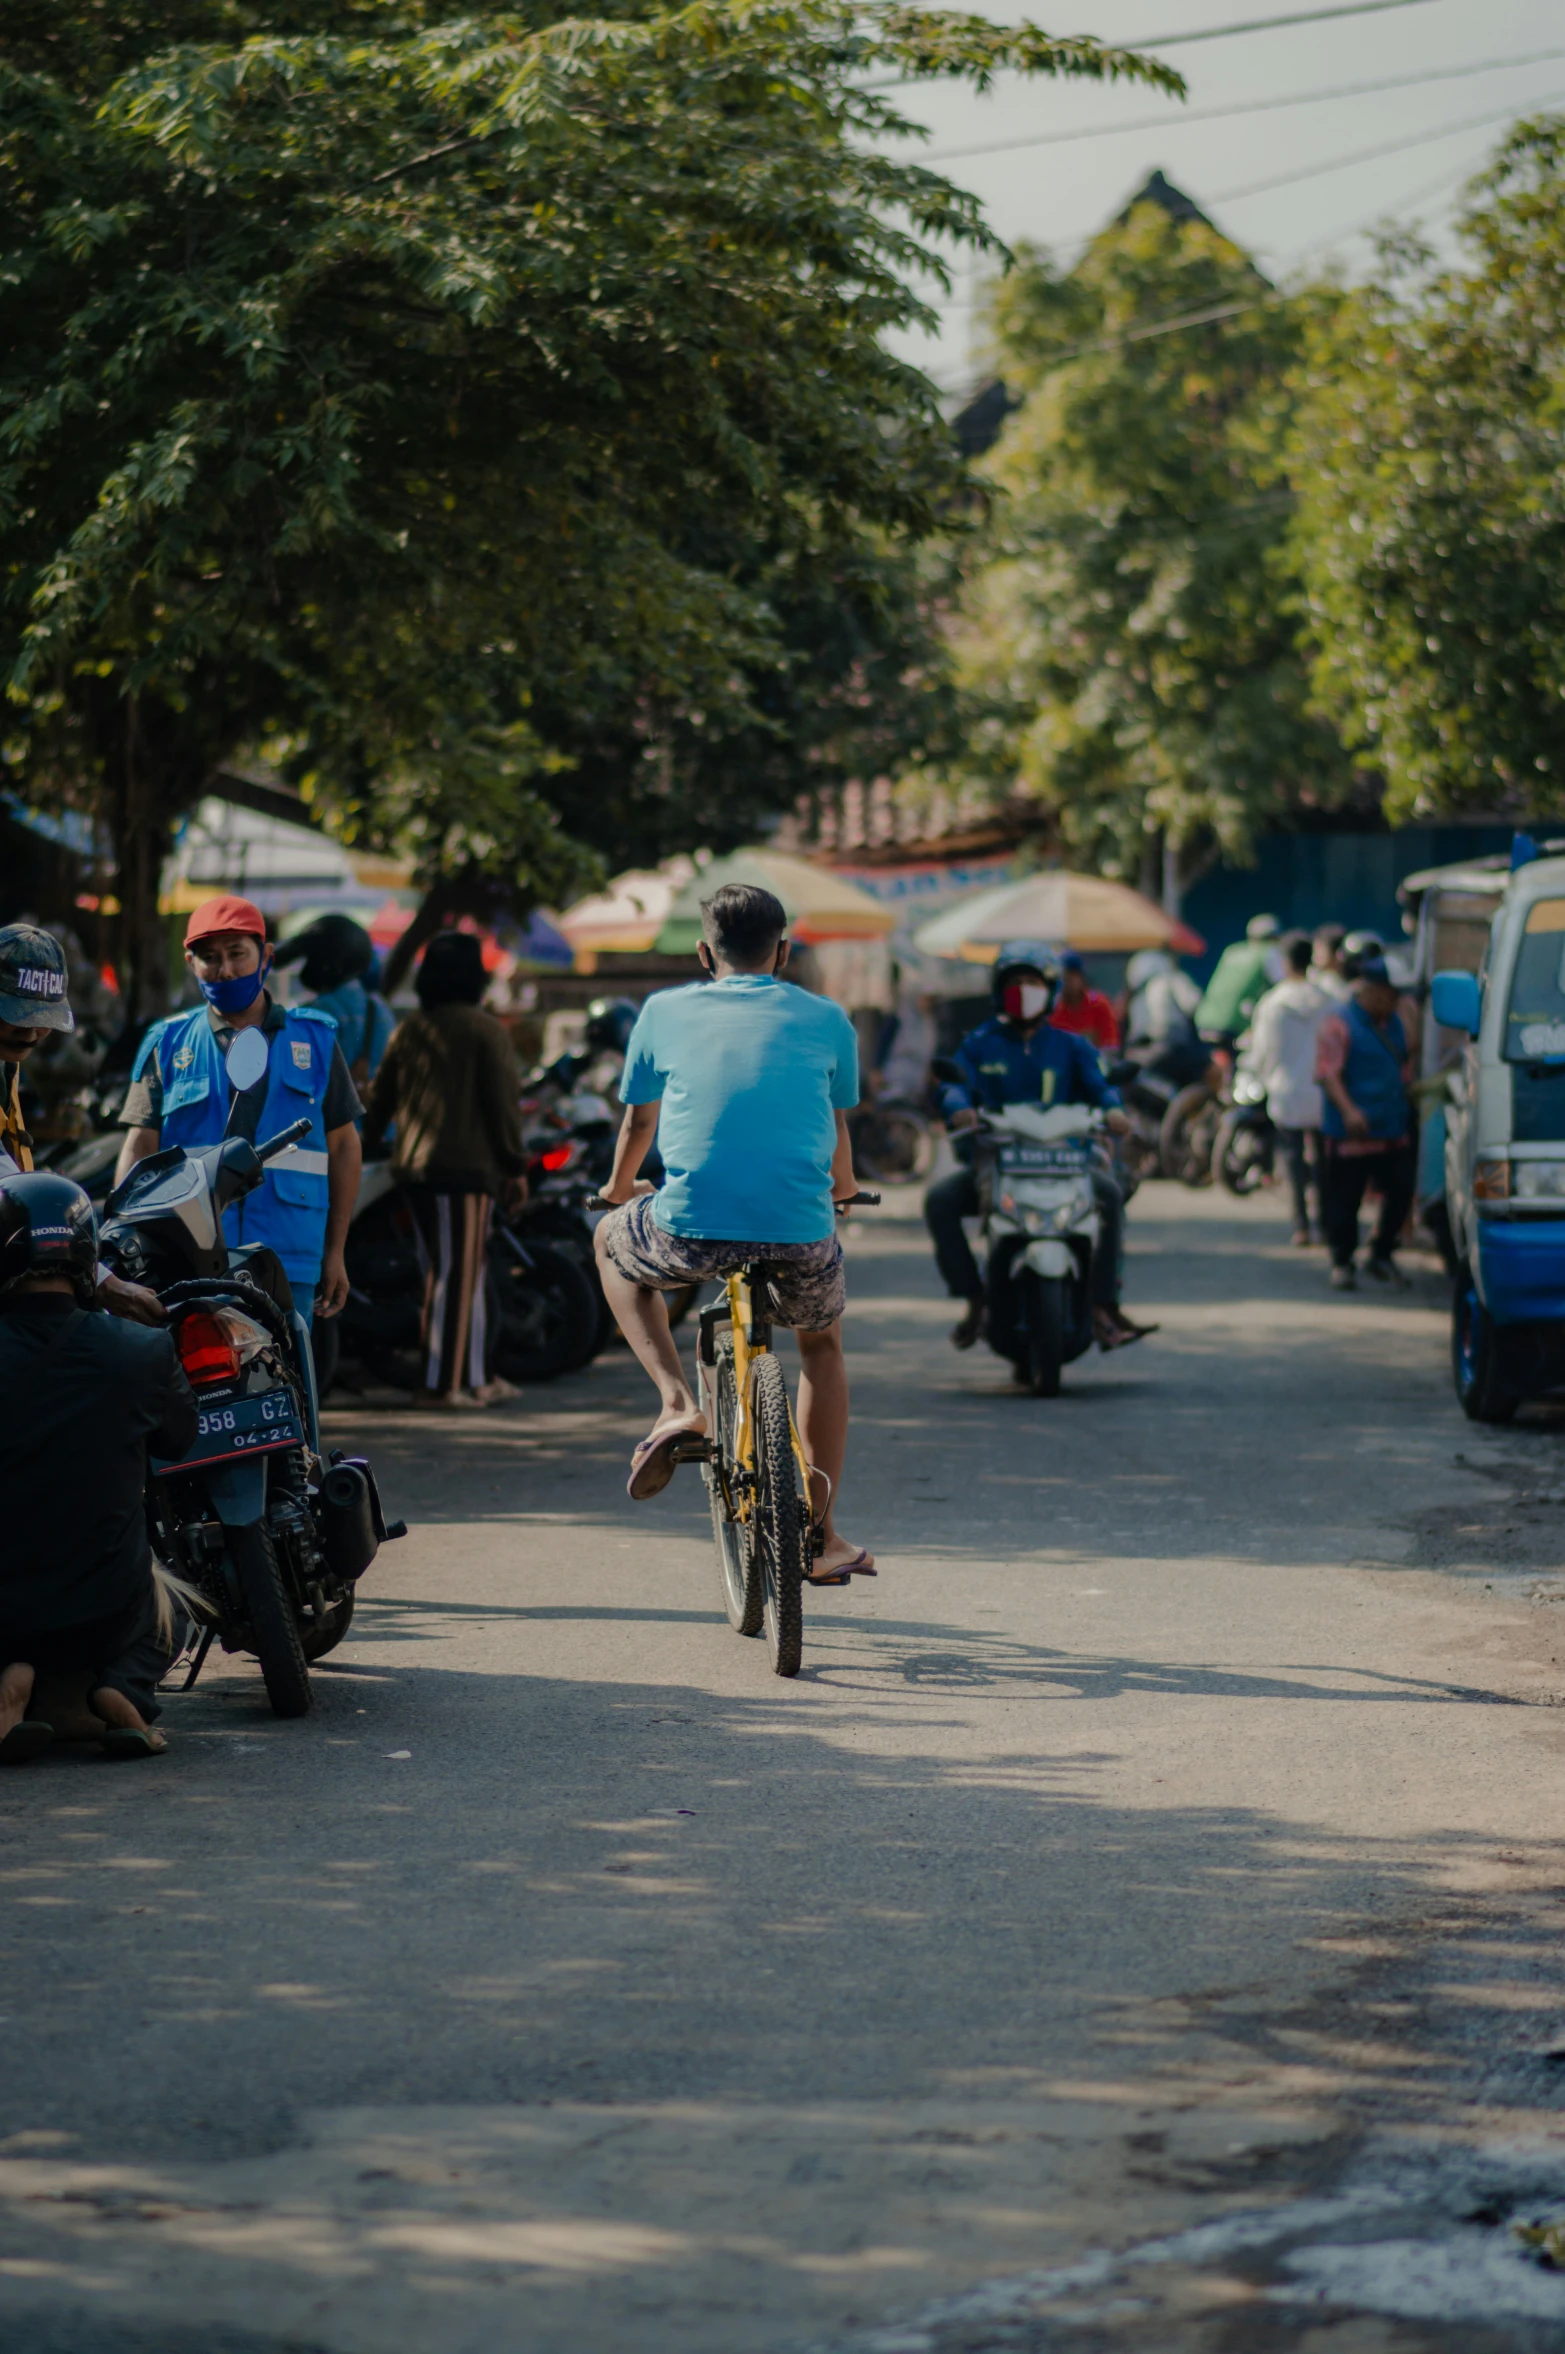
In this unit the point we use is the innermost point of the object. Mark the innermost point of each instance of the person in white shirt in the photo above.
(1282, 1054)
(1326, 971)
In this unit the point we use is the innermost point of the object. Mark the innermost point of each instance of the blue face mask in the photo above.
(236, 996)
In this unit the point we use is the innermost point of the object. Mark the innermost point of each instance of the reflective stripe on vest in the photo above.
(288, 1209)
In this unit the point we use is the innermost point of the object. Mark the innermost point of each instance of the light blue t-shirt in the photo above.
(750, 1071)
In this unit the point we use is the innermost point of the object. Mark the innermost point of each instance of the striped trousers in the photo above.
(454, 1228)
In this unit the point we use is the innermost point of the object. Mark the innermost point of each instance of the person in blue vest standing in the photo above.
(1361, 1063)
(179, 1094)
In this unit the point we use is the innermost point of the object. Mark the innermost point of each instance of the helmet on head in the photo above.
(47, 1228)
(33, 979)
(1148, 964)
(1357, 949)
(610, 1021)
(1020, 969)
(1261, 927)
(332, 949)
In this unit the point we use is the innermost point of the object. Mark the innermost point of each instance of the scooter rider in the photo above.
(1016, 1057)
(179, 1094)
(33, 1002)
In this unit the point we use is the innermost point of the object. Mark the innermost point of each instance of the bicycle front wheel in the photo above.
(738, 1558)
(782, 1523)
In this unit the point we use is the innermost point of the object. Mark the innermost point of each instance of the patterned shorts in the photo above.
(808, 1288)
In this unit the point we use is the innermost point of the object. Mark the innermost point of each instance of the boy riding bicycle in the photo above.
(745, 1082)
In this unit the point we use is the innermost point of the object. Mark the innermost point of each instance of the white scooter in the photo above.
(1040, 1229)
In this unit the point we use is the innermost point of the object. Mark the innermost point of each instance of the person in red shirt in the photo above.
(1082, 1010)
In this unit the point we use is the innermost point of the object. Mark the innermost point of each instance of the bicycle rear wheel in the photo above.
(782, 1524)
(738, 1557)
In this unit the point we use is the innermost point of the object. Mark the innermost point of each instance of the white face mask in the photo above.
(1035, 1000)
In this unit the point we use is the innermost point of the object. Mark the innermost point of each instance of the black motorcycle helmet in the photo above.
(47, 1228)
(1020, 962)
(331, 950)
(610, 1021)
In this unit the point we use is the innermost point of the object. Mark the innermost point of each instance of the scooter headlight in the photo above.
(1058, 1220)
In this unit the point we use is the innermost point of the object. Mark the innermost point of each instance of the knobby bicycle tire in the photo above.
(782, 1525)
(738, 1557)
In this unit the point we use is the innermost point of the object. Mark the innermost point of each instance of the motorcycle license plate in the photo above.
(1042, 1160)
(245, 1426)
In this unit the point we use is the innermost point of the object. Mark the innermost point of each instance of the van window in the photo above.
(1535, 1022)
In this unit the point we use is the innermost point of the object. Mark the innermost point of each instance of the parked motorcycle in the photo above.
(1040, 1229)
(1245, 1152)
(1190, 1125)
(893, 1143)
(541, 1304)
(272, 1541)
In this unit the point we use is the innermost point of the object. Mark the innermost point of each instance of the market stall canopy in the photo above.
(625, 919)
(1069, 911)
(819, 905)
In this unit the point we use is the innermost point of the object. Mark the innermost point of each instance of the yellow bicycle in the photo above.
(756, 1476)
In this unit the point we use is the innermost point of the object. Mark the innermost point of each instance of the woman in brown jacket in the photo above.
(450, 1084)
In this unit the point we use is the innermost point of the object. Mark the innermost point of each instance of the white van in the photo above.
(1505, 1151)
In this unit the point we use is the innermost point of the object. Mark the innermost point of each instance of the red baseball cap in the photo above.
(225, 915)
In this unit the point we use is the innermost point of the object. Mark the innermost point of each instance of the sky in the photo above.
(1428, 130)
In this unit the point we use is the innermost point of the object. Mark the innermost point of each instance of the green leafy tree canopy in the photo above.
(385, 387)
(1430, 532)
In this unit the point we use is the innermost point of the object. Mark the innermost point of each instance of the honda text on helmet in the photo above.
(47, 1228)
(1025, 981)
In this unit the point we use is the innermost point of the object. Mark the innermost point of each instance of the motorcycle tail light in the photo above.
(559, 1158)
(207, 1350)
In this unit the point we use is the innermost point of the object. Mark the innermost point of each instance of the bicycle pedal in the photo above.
(694, 1449)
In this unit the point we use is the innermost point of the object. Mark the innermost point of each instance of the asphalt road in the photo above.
(1139, 1923)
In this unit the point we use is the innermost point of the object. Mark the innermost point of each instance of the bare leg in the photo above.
(643, 1319)
(823, 1429)
(115, 1709)
(16, 1689)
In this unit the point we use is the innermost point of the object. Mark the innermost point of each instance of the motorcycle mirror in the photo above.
(246, 1060)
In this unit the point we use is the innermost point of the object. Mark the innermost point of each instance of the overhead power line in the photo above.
(1340, 163)
(1212, 114)
(1267, 24)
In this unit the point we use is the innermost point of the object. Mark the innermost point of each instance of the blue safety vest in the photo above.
(288, 1208)
(1372, 1076)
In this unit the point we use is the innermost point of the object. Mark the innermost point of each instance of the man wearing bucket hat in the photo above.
(180, 1094)
(33, 1005)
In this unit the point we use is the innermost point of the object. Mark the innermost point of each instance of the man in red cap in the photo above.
(180, 1094)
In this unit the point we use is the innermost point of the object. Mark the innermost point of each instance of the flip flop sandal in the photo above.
(124, 1741)
(654, 1463)
(858, 1565)
(30, 1739)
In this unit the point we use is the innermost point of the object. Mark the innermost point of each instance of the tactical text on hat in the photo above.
(33, 980)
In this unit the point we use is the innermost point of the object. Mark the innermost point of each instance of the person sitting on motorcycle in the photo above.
(1160, 1028)
(1017, 1058)
(84, 1396)
(1246, 969)
(33, 1007)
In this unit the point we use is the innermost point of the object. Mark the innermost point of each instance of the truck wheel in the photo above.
(1482, 1396)
(1045, 1304)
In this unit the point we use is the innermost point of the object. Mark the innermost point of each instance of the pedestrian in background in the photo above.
(337, 957)
(1361, 1061)
(1082, 1010)
(451, 1086)
(1326, 968)
(1283, 1041)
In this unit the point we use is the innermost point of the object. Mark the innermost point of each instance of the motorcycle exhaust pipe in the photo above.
(348, 1517)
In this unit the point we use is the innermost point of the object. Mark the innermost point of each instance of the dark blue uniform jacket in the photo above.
(1050, 1067)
